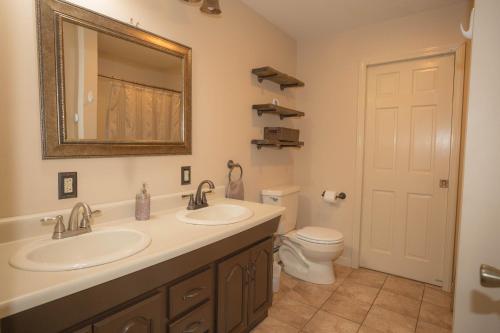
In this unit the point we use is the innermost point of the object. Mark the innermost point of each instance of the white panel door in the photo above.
(407, 153)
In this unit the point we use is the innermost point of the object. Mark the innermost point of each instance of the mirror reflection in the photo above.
(119, 91)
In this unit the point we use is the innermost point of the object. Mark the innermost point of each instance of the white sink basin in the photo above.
(87, 250)
(215, 215)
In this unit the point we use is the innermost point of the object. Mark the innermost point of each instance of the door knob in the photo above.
(489, 276)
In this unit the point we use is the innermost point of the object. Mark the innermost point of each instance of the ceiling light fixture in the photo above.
(211, 7)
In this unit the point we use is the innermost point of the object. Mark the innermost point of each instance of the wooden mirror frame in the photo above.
(50, 16)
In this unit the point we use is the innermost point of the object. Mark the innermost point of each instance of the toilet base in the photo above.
(311, 262)
(318, 273)
(296, 264)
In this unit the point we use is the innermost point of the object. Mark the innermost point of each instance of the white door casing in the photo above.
(408, 121)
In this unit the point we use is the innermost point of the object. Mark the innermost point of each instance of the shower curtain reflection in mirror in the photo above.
(128, 111)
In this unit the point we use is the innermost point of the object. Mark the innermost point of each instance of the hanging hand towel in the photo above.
(235, 190)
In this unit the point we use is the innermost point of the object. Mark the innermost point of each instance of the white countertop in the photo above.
(21, 290)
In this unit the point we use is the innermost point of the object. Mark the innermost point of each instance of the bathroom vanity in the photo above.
(223, 286)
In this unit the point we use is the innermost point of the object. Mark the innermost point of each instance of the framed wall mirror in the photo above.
(109, 88)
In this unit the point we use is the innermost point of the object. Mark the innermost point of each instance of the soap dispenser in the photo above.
(142, 204)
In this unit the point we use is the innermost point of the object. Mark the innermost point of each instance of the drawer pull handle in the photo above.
(193, 327)
(192, 293)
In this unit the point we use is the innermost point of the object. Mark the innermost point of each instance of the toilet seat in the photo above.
(319, 235)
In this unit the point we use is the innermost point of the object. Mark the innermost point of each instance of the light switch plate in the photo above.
(67, 185)
(185, 175)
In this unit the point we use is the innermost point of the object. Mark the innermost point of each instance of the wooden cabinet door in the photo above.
(260, 285)
(232, 306)
(148, 316)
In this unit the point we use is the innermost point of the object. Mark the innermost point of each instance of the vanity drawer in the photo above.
(145, 316)
(197, 321)
(190, 292)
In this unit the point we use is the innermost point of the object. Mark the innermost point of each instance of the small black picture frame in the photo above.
(63, 178)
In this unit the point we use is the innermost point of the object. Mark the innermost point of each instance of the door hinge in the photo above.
(444, 183)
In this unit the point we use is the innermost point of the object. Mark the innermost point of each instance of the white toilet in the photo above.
(306, 253)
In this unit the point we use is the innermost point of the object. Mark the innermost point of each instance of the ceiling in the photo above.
(308, 18)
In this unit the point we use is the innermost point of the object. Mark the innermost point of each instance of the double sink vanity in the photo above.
(207, 268)
(186, 271)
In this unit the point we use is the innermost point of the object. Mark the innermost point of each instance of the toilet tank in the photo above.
(288, 197)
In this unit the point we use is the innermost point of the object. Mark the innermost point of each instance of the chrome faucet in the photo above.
(73, 222)
(200, 201)
(75, 225)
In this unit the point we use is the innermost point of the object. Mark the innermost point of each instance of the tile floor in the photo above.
(361, 301)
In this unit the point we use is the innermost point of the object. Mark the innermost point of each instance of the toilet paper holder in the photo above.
(340, 196)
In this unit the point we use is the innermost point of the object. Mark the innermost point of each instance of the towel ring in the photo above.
(231, 165)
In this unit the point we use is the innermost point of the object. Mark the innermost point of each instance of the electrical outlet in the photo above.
(185, 175)
(67, 185)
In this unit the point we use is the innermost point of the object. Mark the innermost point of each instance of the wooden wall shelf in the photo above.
(277, 144)
(273, 75)
(280, 111)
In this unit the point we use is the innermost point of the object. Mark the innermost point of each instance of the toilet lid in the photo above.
(320, 235)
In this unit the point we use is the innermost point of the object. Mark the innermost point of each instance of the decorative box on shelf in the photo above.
(281, 134)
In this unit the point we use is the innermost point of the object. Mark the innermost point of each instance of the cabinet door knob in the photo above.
(247, 274)
(252, 270)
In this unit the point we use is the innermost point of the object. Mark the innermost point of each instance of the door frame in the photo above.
(458, 50)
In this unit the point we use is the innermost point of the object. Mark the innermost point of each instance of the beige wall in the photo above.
(224, 51)
(477, 309)
(330, 68)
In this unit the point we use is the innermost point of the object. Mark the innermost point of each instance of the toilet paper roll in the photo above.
(330, 196)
